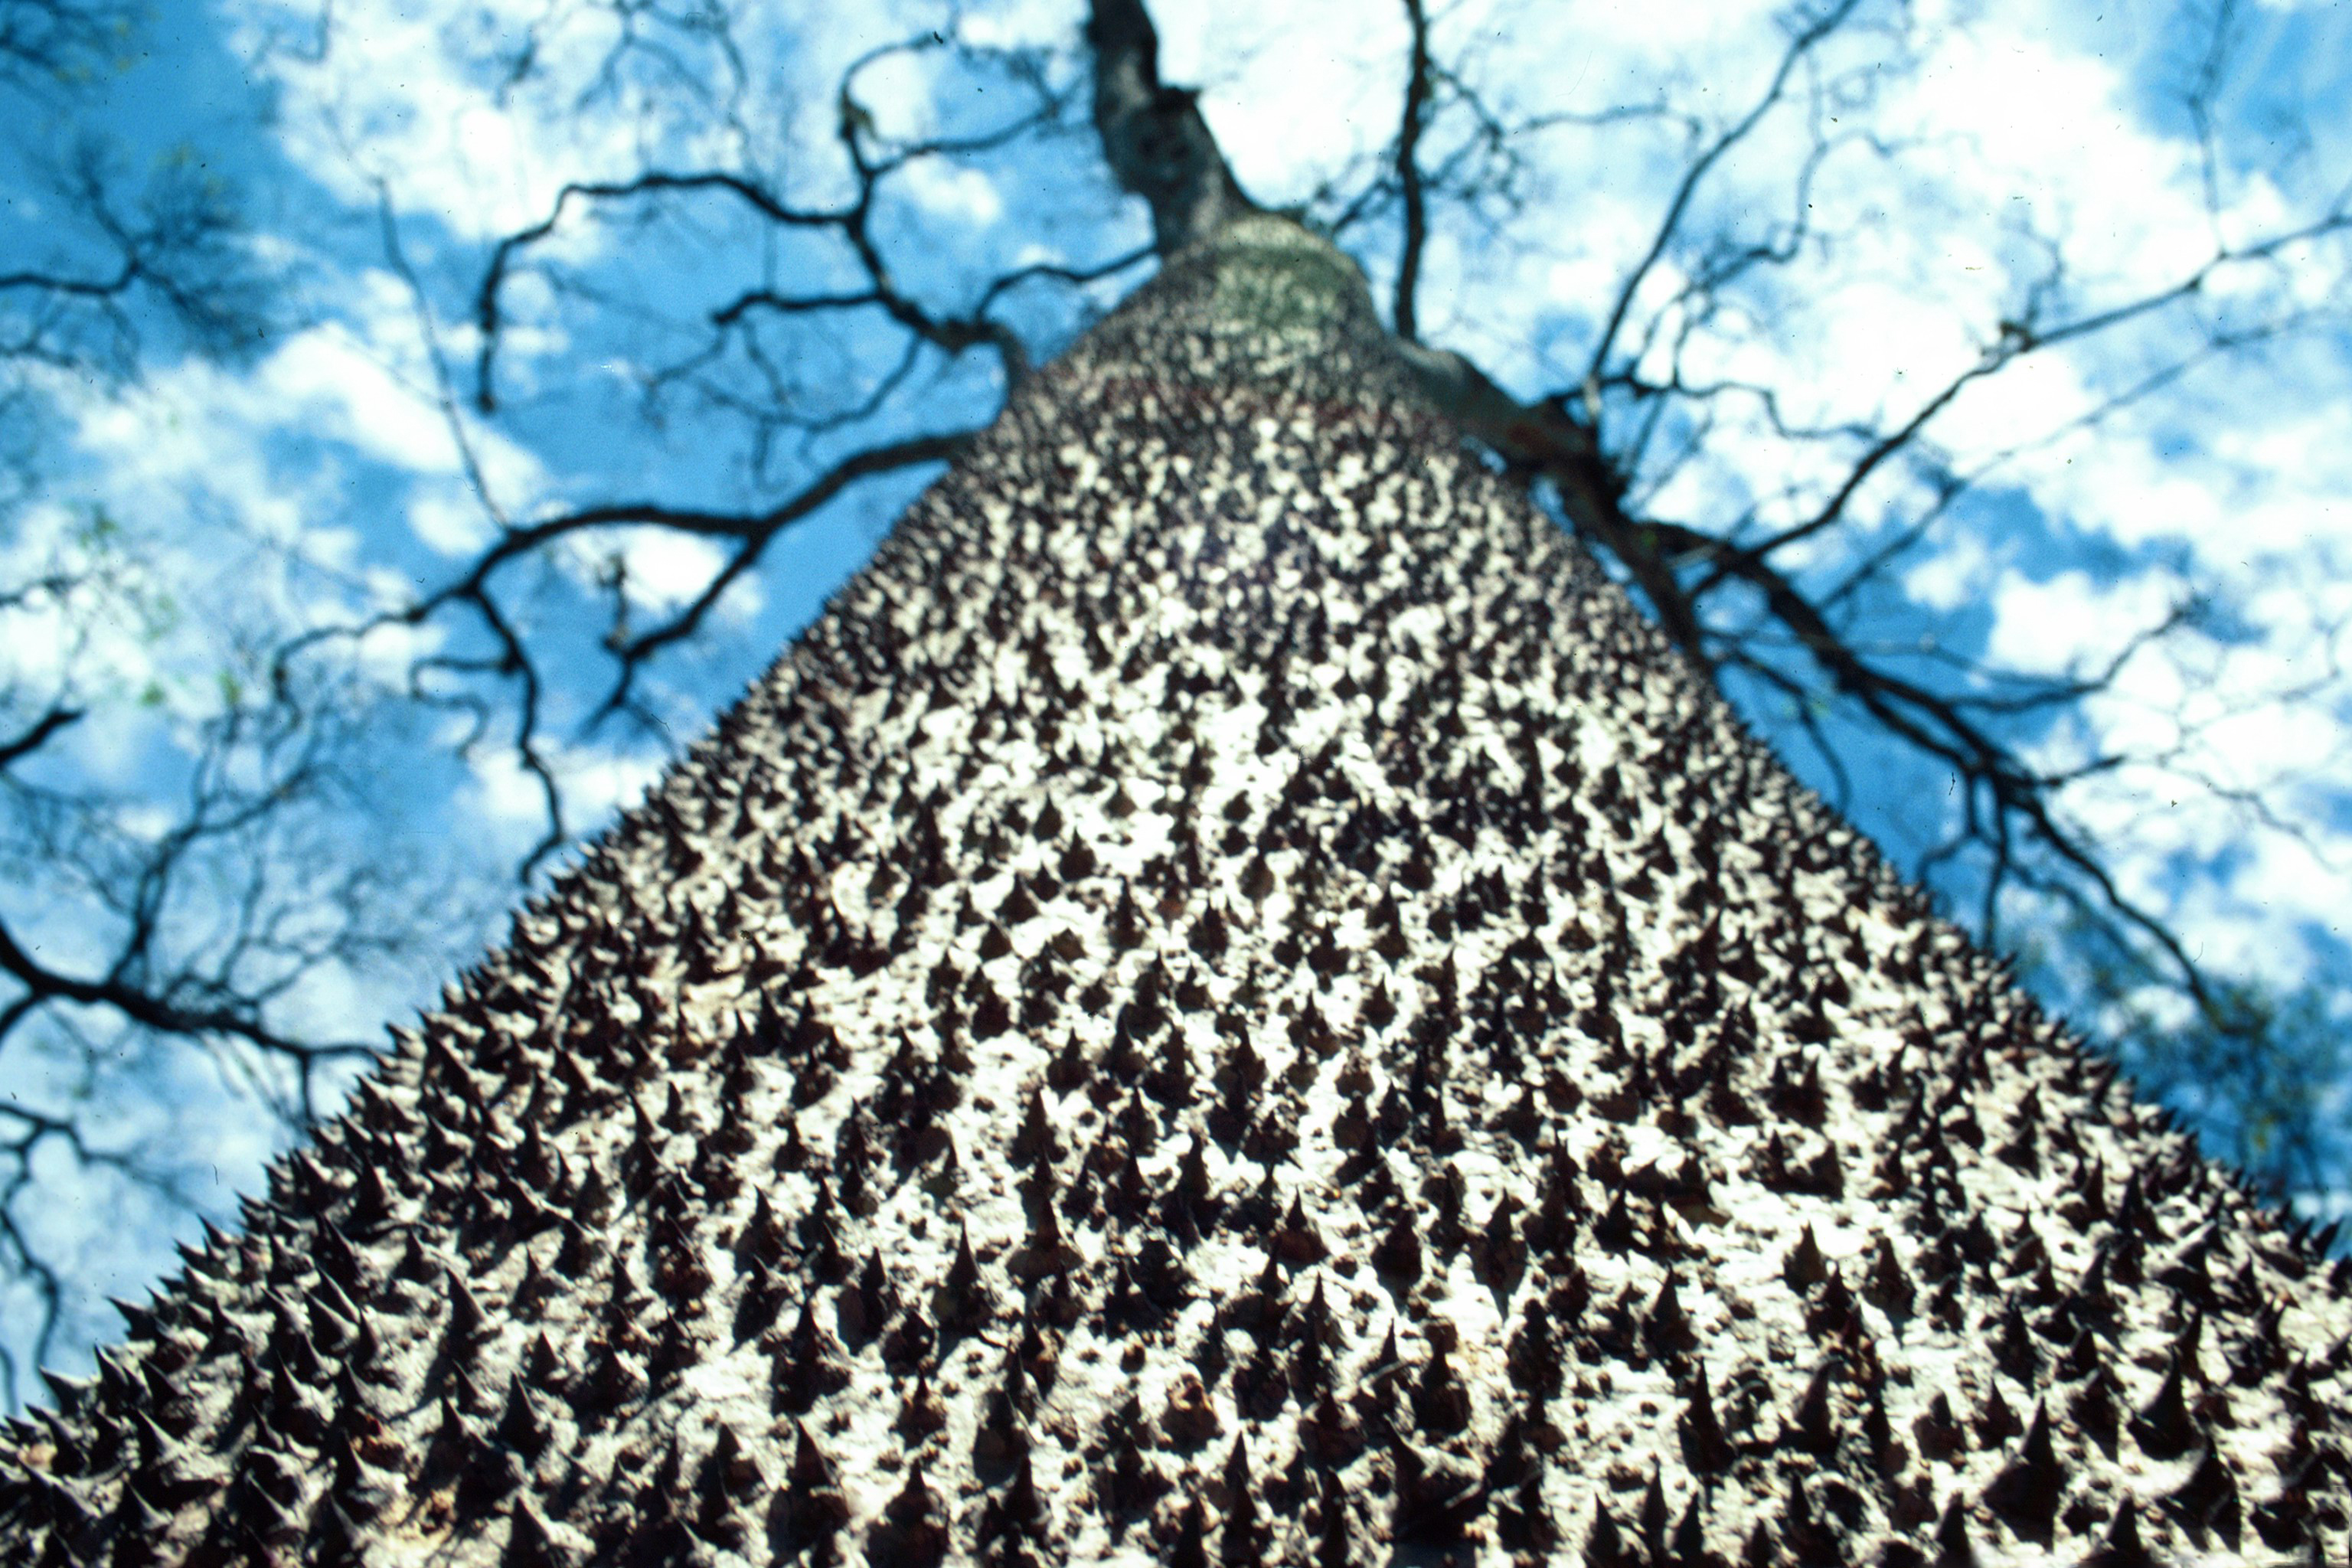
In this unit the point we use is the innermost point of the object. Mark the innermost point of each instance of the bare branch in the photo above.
(1812, 33)
(2019, 339)
(503, 257)
(1153, 136)
(633, 653)
(52, 45)
(154, 1012)
(1408, 166)
(444, 392)
(37, 734)
(526, 539)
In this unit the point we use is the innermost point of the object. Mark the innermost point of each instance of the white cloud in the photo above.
(1016, 24)
(449, 520)
(396, 97)
(1953, 576)
(595, 781)
(664, 569)
(323, 381)
(667, 568)
(389, 651)
(2068, 622)
(953, 191)
(217, 429)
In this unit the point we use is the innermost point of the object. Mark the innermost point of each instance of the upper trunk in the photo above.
(1227, 996)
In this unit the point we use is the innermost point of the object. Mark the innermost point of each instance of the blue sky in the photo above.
(339, 464)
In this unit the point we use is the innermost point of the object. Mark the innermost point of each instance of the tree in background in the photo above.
(755, 289)
(1231, 995)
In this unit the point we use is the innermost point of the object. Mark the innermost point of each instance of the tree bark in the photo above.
(1229, 996)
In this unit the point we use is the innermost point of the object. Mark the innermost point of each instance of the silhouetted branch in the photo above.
(123, 261)
(1607, 446)
(48, 46)
(1408, 167)
(1678, 205)
(749, 193)
(1153, 134)
(37, 734)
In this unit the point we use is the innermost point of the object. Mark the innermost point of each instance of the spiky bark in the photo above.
(1228, 998)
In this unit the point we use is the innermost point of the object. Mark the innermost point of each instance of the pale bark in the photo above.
(1229, 996)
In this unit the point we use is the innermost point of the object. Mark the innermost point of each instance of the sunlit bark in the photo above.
(1230, 996)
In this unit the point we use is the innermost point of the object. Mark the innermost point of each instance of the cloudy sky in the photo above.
(1965, 165)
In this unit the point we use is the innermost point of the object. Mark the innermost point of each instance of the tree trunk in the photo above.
(1229, 997)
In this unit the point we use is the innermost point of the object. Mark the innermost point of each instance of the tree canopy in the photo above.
(1229, 993)
(421, 419)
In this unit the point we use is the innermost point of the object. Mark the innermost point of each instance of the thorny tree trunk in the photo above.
(1228, 998)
